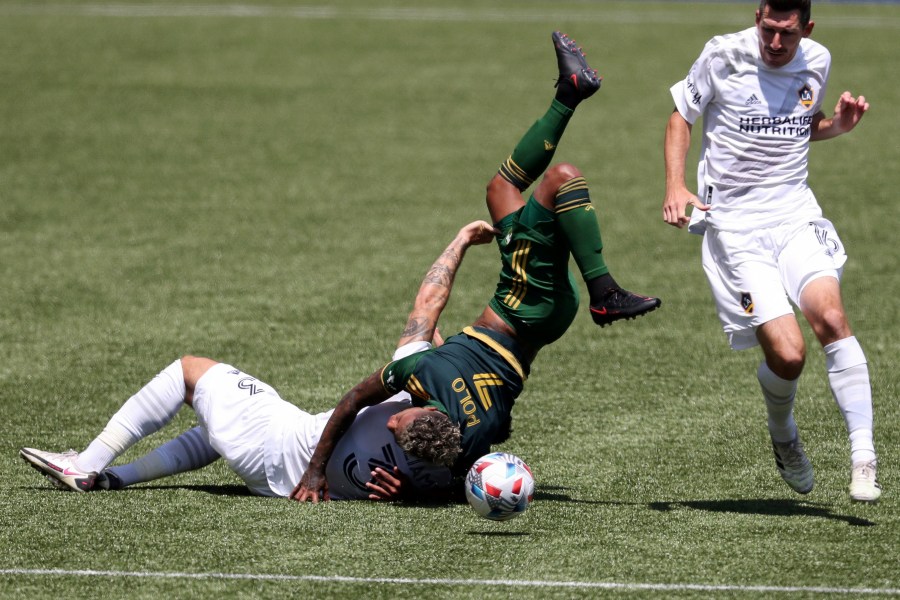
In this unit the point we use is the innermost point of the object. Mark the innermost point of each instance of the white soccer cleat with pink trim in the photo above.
(59, 467)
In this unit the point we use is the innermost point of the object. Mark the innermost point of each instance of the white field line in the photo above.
(659, 587)
(609, 16)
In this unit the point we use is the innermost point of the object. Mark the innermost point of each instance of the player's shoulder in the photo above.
(814, 52)
(729, 42)
(403, 362)
(725, 52)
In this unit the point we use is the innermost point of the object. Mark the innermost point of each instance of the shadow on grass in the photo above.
(553, 493)
(765, 507)
(761, 506)
(215, 490)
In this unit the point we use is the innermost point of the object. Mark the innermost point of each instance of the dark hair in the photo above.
(804, 6)
(432, 437)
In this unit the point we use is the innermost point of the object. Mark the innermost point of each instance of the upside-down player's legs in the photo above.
(564, 192)
(532, 155)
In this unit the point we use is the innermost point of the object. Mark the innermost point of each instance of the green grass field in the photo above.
(266, 184)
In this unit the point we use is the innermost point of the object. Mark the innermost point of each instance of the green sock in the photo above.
(535, 150)
(578, 221)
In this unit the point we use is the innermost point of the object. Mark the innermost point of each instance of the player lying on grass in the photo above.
(267, 441)
(475, 377)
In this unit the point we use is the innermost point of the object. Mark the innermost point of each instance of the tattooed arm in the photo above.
(430, 301)
(435, 289)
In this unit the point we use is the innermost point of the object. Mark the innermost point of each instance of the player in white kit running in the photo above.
(766, 244)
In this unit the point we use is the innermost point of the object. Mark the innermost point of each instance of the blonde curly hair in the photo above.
(432, 437)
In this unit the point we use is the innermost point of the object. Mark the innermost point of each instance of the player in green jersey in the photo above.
(474, 378)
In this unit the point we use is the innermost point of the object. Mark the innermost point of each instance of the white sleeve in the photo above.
(694, 92)
(410, 349)
(826, 74)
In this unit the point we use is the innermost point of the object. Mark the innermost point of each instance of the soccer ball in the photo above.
(499, 486)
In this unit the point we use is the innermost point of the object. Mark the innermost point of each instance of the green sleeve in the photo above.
(395, 375)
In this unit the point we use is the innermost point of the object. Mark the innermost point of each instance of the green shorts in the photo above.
(536, 295)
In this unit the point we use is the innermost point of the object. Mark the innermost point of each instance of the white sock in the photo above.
(848, 375)
(144, 413)
(187, 452)
(779, 396)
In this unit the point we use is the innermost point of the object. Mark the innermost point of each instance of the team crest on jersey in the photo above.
(747, 303)
(806, 96)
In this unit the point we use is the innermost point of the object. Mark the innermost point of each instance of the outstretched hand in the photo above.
(848, 111)
(311, 485)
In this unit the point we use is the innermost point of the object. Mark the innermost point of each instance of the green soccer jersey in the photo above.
(474, 378)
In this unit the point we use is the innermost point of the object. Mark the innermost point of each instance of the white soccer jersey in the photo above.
(369, 444)
(294, 434)
(366, 445)
(756, 125)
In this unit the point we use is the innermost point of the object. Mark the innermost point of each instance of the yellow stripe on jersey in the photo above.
(498, 348)
(414, 387)
(520, 281)
(482, 382)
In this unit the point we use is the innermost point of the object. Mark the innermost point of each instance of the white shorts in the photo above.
(754, 276)
(238, 412)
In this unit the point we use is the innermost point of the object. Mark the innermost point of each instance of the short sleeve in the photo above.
(396, 374)
(694, 92)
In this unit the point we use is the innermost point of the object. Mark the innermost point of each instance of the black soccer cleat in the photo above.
(107, 480)
(621, 304)
(573, 67)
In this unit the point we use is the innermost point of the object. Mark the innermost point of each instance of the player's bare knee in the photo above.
(502, 198)
(561, 173)
(554, 178)
(189, 362)
(193, 368)
(496, 182)
(499, 188)
(787, 363)
(831, 326)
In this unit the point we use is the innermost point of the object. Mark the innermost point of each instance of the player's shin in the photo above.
(187, 452)
(848, 376)
(144, 413)
(533, 153)
(779, 397)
